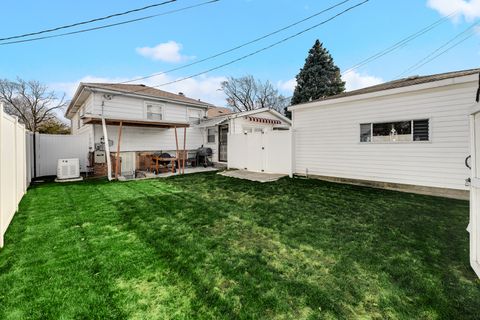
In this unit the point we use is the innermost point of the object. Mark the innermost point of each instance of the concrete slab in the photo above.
(252, 176)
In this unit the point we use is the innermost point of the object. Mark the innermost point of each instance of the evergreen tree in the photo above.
(319, 77)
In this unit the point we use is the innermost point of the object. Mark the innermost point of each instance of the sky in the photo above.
(154, 45)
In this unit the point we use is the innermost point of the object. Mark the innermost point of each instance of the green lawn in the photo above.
(210, 247)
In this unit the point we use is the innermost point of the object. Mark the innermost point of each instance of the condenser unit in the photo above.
(68, 169)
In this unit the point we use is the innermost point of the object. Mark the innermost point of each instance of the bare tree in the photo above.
(30, 101)
(247, 93)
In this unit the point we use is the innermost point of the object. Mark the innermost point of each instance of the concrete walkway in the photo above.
(252, 176)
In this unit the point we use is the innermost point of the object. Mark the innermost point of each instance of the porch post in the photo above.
(117, 159)
(184, 149)
(107, 150)
(176, 143)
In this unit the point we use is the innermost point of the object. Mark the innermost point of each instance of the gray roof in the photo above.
(410, 81)
(147, 91)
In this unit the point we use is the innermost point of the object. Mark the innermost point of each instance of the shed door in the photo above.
(474, 226)
(222, 143)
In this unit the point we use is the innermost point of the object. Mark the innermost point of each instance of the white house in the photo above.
(410, 134)
(154, 121)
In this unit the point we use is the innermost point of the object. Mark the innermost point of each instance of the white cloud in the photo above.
(355, 80)
(287, 86)
(468, 9)
(166, 52)
(203, 87)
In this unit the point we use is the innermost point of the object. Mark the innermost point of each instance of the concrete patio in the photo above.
(253, 176)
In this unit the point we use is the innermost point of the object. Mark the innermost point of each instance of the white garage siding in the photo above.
(327, 137)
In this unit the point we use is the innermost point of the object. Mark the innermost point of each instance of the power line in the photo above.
(110, 25)
(469, 32)
(87, 21)
(239, 46)
(259, 50)
(400, 44)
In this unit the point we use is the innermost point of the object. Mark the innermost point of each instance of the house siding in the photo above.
(122, 107)
(150, 139)
(327, 138)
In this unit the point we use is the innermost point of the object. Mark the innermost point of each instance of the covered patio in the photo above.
(149, 164)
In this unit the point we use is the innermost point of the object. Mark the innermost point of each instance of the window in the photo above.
(366, 132)
(154, 111)
(252, 130)
(420, 130)
(399, 131)
(194, 116)
(211, 135)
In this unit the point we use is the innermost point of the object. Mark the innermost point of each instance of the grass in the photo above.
(210, 247)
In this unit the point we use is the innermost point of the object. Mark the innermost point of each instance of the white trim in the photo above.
(153, 104)
(396, 142)
(388, 92)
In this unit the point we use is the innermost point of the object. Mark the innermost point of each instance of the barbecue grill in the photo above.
(204, 156)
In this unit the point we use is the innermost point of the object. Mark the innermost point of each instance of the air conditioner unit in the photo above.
(68, 169)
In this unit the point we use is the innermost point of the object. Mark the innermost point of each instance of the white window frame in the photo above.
(194, 110)
(153, 104)
(395, 142)
(214, 135)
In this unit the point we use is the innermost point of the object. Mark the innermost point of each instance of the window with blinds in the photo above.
(398, 131)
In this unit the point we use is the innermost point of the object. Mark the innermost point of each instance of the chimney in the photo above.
(181, 94)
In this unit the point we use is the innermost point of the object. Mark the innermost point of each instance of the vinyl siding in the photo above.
(151, 139)
(121, 107)
(327, 138)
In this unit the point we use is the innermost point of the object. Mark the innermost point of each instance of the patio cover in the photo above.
(90, 119)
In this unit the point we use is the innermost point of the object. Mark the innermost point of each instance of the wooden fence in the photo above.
(14, 161)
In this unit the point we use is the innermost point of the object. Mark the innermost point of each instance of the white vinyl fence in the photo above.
(51, 147)
(14, 161)
(269, 152)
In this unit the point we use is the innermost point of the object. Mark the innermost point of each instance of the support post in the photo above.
(107, 150)
(184, 149)
(117, 159)
(176, 143)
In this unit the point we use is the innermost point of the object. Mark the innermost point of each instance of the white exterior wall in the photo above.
(150, 139)
(327, 138)
(124, 107)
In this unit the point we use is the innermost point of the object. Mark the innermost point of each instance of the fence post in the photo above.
(1, 175)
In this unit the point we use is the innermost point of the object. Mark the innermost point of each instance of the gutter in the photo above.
(136, 95)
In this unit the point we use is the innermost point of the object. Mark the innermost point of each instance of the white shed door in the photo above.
(474, 226)
(255, 152)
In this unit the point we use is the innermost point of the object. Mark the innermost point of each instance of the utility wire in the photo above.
(88, 21)
(259, 50)
(239, 46)
(110, 25)
(466, 34)
(400, 44)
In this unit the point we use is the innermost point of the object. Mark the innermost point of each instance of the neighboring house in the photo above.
(149, 117)
(219, 128)
(213, 112)
(410, 134)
